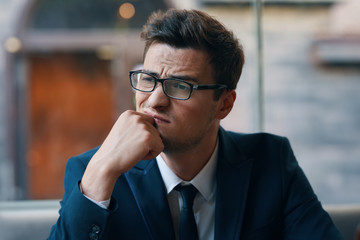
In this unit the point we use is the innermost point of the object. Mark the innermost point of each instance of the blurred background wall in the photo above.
(64, 81)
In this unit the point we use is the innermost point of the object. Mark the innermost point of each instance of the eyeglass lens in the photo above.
(172, 87)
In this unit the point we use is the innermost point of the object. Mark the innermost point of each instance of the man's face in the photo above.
(182, 124)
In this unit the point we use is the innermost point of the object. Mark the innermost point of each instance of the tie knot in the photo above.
(188, 193)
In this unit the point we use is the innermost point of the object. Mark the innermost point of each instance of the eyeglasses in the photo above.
(172, 87)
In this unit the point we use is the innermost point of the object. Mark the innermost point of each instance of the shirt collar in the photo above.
(204, 181)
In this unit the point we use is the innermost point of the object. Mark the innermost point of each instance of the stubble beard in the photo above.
(173, 145)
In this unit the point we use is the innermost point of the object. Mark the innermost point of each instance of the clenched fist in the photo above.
(132, 138)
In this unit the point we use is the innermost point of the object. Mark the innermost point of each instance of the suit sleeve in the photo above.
(304, 217)
(79, 217)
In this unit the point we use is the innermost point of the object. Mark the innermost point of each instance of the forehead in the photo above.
(169, 61)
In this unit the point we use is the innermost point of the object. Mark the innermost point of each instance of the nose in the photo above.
(157, 98)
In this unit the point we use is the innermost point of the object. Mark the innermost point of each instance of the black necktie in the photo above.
(187, 228)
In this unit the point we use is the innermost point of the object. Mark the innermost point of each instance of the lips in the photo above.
(158, 119)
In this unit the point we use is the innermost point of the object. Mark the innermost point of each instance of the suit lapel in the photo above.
(233, 177)
(149, 191)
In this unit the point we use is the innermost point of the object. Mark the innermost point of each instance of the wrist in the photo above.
(97, 184)
(103, 204)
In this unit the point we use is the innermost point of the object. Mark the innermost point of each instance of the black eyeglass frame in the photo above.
(162, 80)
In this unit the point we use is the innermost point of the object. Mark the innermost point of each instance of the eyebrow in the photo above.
(181, 77)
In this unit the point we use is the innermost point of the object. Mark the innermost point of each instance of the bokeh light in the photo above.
(127, 10)
(13, 44)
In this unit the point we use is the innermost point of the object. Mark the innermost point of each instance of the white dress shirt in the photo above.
(204, 202)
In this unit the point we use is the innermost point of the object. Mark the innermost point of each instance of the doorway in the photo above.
(71, 110)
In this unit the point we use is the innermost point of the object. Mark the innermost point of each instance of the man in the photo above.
(137, 185)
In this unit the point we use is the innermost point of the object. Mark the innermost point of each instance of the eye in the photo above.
(179, 85)
(147, 78)
(182, 86)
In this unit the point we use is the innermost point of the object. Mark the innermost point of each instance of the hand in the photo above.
(132, 138)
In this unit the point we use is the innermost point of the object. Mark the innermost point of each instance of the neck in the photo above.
(186, 165)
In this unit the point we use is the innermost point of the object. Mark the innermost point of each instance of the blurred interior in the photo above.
(65, 65)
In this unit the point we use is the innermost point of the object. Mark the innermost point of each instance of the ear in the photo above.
(226, 103)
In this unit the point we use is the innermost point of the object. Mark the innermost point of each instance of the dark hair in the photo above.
(198, 30)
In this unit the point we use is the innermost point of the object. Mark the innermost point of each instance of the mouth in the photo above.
(158, 119)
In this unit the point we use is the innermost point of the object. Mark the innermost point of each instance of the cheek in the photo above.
(196, 115)
(139, 99)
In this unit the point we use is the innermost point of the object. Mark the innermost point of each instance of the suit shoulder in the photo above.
(253, 138)
(253, 143)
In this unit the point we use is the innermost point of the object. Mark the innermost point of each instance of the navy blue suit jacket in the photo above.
(262, 193)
